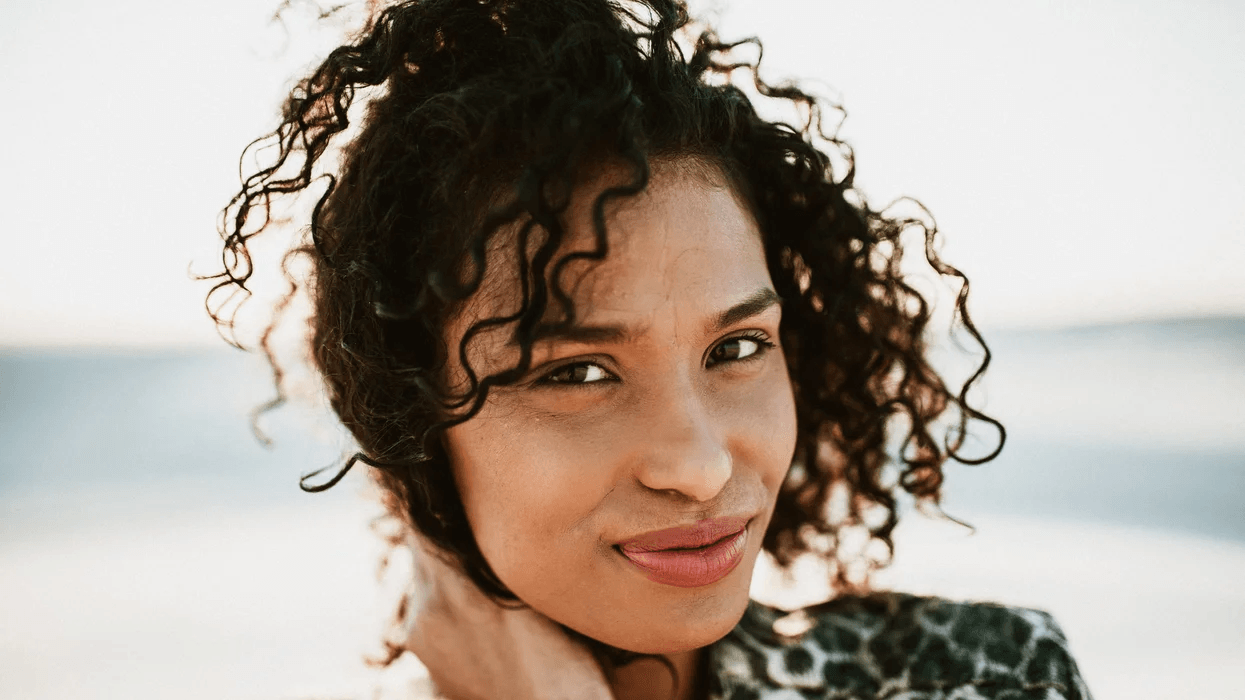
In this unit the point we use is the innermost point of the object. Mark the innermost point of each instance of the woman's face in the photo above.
(666, 408)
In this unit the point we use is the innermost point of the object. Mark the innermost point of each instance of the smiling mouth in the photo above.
(696, 549)
(698, 536)
(618, 548)
(691, 567)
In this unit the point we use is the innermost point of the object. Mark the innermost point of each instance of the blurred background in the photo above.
(1083, 163)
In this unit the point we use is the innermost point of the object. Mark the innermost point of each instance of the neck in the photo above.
(649, 679)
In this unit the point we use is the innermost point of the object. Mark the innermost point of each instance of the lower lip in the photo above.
(691, 568)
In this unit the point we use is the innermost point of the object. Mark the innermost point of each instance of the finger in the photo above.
(432, 564)
(442, 589)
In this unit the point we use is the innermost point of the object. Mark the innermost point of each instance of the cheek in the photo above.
(767, 426)
(523, 486)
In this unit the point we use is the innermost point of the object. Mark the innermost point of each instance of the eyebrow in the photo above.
(756, 303)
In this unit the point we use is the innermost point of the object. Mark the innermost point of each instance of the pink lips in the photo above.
(689, 557)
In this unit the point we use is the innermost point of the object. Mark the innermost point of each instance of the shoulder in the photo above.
(895, 645)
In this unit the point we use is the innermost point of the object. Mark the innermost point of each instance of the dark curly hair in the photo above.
(481, 115)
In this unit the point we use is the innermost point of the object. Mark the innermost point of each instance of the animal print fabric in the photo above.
(898, 647)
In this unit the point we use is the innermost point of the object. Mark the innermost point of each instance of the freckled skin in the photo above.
(658, 433)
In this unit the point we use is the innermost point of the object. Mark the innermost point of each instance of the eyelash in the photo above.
(764, 345)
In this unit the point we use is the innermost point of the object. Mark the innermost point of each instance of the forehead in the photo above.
(687, 240)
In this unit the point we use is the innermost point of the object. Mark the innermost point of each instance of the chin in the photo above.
(701, 626)
(687, 641)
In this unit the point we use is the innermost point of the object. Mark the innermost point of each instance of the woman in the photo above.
(603, 333)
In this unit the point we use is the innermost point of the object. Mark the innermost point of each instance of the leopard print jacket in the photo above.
(896, 646)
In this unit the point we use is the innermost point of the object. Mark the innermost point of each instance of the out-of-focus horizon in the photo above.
(1082, 161)
(150, 548)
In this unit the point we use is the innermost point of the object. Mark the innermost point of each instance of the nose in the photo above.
(685, 450)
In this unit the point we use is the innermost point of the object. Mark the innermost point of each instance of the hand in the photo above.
(476, 650)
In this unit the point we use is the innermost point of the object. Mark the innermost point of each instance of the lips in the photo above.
(689, 557)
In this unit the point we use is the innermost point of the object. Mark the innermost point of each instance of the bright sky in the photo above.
(1083, 159)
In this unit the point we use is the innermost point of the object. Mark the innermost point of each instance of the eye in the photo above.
(577, 373)
(743, 347)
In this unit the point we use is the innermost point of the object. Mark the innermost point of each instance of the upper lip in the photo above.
(702, 533)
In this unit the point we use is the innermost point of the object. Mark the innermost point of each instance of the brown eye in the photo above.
(579, 373)
(740, 348)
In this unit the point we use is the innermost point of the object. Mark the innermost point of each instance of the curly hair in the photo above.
(481, 115)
